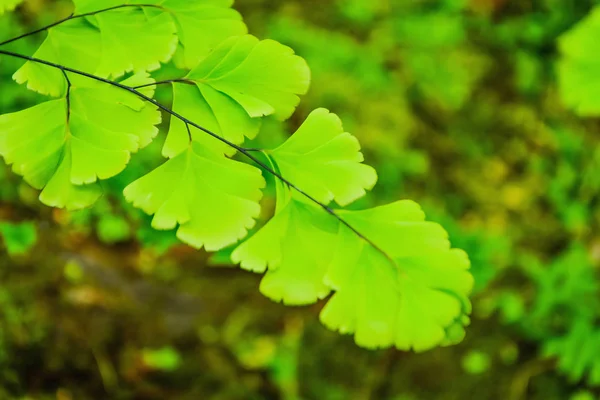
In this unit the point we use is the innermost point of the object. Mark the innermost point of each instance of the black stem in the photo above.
(73, 16)
(187, 81)
(189, 131)
(68, 95)
(188, 122)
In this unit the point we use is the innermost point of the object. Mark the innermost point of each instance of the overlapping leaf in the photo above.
(325, 161)
(295, 246)
(87, 137)
(107, 45)
(402, 287)
(414, 297)
(213, 199)
(201, 24)
(72, 43)
(242, 80)
(8, 5)
(578, 67)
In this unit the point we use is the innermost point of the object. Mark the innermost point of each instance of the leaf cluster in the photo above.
(394, 278)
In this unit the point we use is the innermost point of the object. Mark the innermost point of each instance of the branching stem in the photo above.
(169, 81)
(245, 152)
(68, 96)
(189, 131)
(73, 16)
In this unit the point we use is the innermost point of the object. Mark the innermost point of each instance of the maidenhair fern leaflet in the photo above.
(392, 277)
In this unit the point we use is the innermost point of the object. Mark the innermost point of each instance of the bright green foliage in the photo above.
(295, 246)
(8, 5)
(201, 24)
(324, 160)
(18, 238)
(133, 41)
(113, 43)
(417, 298)
(241, 80)
(578, 67)
(109, 44)
(414, 296)
(212, 198)
(225, 118)
(498, 161)
(578, 352)
(65, 44)
(238, 68)
(396, 280)
(88, 137)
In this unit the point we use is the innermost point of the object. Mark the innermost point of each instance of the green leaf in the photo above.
(133, 40)
(416, 299)
(241, 80)
(264, 77)
(578, 67)
(88, 137)
(325, 161)
(295, 246)
(8, 5)
(216, 112)
(212, 198)
(73, 43)
(18, 238)
(201, 24)
(107, 45)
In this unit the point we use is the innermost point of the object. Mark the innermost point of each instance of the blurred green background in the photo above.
(484, 111)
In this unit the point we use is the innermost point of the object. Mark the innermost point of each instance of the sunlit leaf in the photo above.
(415, 298)
(201, 24)
(213, 199)
(82, 139)
(295, 246)
(133, 41)
(241, 80)
(107, 45)
(325, 161)
(578, 67)
(73, 43)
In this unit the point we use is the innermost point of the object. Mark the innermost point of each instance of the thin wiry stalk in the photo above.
(188, 122)
(73, 16)
(165, 83)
